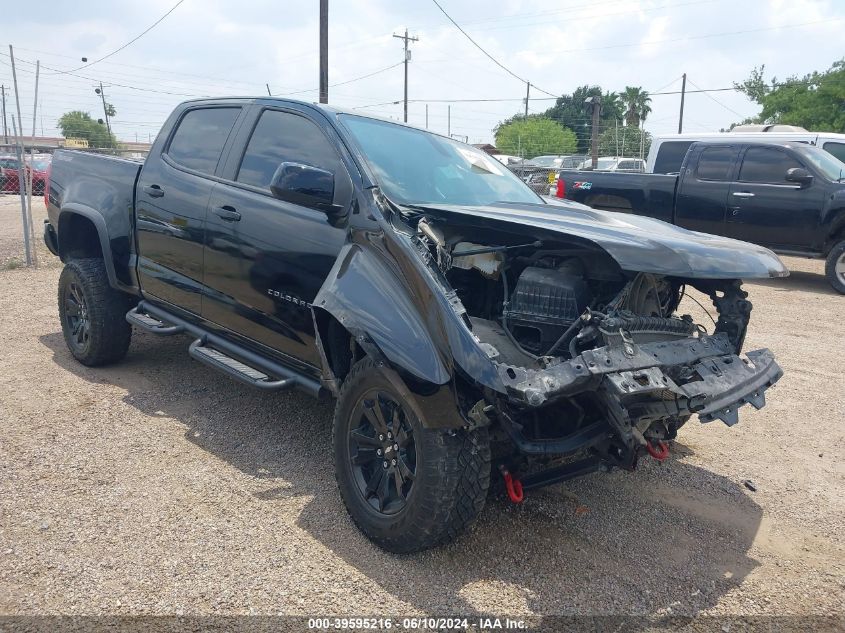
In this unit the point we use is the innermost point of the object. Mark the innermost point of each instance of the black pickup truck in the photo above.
(471, 332)
(789, 197)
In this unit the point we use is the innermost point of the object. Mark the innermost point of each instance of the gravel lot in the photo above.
(159, 487)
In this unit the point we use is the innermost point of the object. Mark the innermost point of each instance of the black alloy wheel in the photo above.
(76, 317)
(382, 452)
(92, 313)
(406, 485)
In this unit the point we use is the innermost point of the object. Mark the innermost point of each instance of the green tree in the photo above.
(624, 141)
(612, 107)
(571, 112)
(637, 106)
(534, 136)
(815, 101)
(78, 124)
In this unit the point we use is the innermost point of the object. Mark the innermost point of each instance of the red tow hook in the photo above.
(513, 486)
(660, 453)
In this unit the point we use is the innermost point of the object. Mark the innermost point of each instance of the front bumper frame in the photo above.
(640, 377)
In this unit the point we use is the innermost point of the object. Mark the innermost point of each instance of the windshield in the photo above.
(606, 163)
(415, 167)
(547, 161)
(831, 167)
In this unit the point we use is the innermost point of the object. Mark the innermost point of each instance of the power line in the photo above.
(342, 83)
(226, 80)
(715, 100)
(376, 105)
(598, 16)
(664, 87)
(73, 74)
(693, 37)
(130, 42)
(493, 59)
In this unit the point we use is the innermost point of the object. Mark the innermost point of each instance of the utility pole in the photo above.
(595, 101)
(102, 94)
(683, 94)
(406, 39)
(17, 128)
(527, 95)
(324, 51)
(32, 162)
(449, 120)
(426, 116)
(5, 128)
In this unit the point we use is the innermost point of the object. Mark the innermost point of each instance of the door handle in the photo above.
(154, 191)
(743, 194)
(227, 213)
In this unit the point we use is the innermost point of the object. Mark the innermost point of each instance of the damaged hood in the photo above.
(637, 243)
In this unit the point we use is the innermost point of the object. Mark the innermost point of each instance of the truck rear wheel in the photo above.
(406, 487)
(835, 267)
(93, 314)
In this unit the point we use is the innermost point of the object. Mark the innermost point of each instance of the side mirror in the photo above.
(306, 186)
(799, 175)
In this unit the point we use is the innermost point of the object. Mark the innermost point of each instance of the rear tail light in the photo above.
(561, 188)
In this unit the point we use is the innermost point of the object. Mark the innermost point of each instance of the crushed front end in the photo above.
(596, 366)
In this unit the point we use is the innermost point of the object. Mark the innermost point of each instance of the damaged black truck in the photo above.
(473, 334)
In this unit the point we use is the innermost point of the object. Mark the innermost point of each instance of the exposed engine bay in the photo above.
(598, 365)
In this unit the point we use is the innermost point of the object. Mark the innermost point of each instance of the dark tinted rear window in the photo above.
(200, 138)
(670, 156)
(715, 163)
(837, 149)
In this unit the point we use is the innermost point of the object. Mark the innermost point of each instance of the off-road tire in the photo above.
(834, 258)
(452, 473)
(108, 333)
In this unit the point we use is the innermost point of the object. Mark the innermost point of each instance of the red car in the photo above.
(10, 173)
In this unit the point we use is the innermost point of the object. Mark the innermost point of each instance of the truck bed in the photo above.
(652, 195)
(101, 188)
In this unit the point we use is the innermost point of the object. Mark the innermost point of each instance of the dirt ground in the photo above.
(158, 487)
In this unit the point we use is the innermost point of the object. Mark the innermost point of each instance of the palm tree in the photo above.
(611, 106)
(637, 105)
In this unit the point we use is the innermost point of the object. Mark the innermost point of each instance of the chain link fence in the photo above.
(37, 161)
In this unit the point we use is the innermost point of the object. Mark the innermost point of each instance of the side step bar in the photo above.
(200, 351)
(238, 362)
(151, 324)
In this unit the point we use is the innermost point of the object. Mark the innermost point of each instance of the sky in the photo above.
(222, 48)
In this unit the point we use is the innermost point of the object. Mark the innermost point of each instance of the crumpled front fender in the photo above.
(366, 297)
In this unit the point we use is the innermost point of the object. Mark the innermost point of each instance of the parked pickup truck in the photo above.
(469, 331)
(789, 197)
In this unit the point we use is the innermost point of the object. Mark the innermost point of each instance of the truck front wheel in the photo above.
(835, 267)
(407, 488)
(93, 314)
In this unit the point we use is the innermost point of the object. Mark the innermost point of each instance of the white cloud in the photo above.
(219, 47)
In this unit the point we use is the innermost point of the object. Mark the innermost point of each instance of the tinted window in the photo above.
(762, 164)
(837, 149)
(715, 163)
(283, 137)
(9, 163)
(200, 138)
(670, 156)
